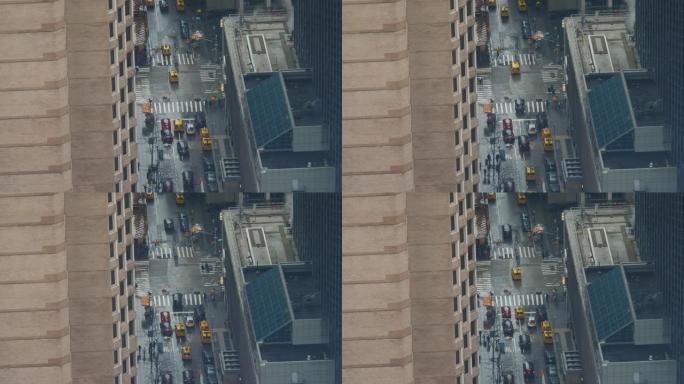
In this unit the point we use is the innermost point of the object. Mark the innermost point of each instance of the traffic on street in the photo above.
(178, 289)
(521, 95)
(178, 92)
(520, 284)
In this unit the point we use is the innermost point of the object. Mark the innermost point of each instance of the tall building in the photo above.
(68, 135)
(410, 170)
(659, 230)
(659, 33)
(316, 226)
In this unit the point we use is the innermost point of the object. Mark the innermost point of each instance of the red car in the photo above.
(507, 124)
(165, 317)
(165, 124)
(506, 312)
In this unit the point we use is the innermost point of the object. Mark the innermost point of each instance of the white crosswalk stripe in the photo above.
(177, 106)
(208, 75)
(509, 107)
(509, 252)
(551, 270)
(182, 252)
(530, 299)
(179, 58)
(527, 59)
(167, 300)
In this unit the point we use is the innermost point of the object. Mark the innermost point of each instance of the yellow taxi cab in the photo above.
(546, 326)
(180, 5)
(206, 144)
(186, 352)
(206, 337)
(145, 300)
(180, 198)
(204, 132)
(179, 125)
(548, 337)
(519, 313)
(204, 325)
(521, 198)
(491, 3)
(516, 273)
(548, 144)
(530, 173)
(504, 12)
(488, 107)
(173, 75)
(515, 67)
(522, 5)
(546, 133)
(180, 330)
(149, 195)
(149, 3)
(491, 196)
(166, 49)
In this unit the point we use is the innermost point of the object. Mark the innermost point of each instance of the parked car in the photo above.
(526, 29)
(528, 370)
(506, 312)
(212, 184)
(166, 136)
(549, 165)
(165, 317)
(523, 143)
(200, 120)
(183, 149)
(207, 358)
(552, 374)
(507, 326)
(184, 223)
(184, 30)
(208, 163)
(549, 357)
(166, 329)
(188, 181)
(177, 301)
(507, 232)
(508, 185)
(519, 107)
(167, 186)
(507, 124)
(168, 225)
(508, 136)
(541, 121)
(525, 342)
(166, 123)
(199, 313)
(525, 221)
(211, 377)
(188, 376)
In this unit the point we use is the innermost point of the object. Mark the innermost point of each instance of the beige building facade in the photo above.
(67, 172)
(410, 172)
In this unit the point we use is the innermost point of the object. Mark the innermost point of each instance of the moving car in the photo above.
(549, 358)
(507, 326)
(200, 314)
(177, 301)
(180, 5)
(180, 330)
(166, 49)
(531, 322)
(526, 30)
(173, 75)
(549, 165)
(190, 128)
(528, 371)
(165, 123)
(530, 174)
(179, 125)
(548, 144)
(212, 184)
(210, 376)
(519, 313)
(508, 136)
(163, 5)
(491, 3)
(165, 317)
(208, 164)
(542, 121)
(506, 312)
(166, 329)
(516, 273)
(167, 378)
(525, 221)
(515, 67)
(508, 185)
(519, 107)
(521, 198)
(186, 352)
(184, 30)
(188, 376)
(207, 358)
(166, 136)
(189, 321)
(506, 232)
(188, 180)
(168, 225)
(504, 12)
(180, 198)
(522, 5)
(532, 129)
(183, 149)
(525, 342)
(524, 143)
(200, 120)
(507, 123)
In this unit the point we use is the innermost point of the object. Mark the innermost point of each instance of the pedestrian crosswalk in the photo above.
(142, 277)
(177, 106)
(167, 300)
(552, 73)
(509, 252)
(177, 59)
(142, 84)
(530, 299)
(183, 252)
(207, 75)
(484, 90)
(527, 59)
(551, 270)
(535, 106)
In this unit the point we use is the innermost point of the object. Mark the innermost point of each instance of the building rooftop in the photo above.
(262, 240)
(647, 298)
(279, 352)
(621, 353)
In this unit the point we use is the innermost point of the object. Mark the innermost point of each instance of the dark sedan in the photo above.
(167, 186)
(526, 29)
(525, 220)
(519, 107)
(166, 329)
(167, 136)
(508, 136)
(507, 326)
(184, 223)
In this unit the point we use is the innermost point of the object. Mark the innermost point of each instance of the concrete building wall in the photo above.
(314, 179)
(651, 372)
(650, 331)
(648, 179)
(404, 317)
(314, 371)
(68, 167)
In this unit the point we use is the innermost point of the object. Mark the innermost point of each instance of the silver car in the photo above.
(190, 128)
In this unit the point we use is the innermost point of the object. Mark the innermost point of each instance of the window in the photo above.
(469, 7)
(129, 33)
(127, 200)
(466, 148)
(457, 331)
(121, 69)
(474, 166)
(127, 4)
(455, 304)
(111, 4)
(458, 357)
(469, 200)
(454, 277)
(120, 47)
(463, 288)
(131, 327)
(463, 263)
(473, 135)
(463, 69)
(454, 57)
(111, 223)
(458, 165)
(462, 42)
(452, 4)
(124, 148)
(472, 303)
(453, 250)
(112, 57)
(470, 33)
(110, 195)
(114, 111)
(127, 225)
(461, 235)
(122, 95)
(115, 137)
(456, 106)
(460, 208)
(111, 248)
(453, 30)
(112, 277)
(464, 315)
(131, 135)
(125, 365)
(121, 262)
(464, 95)
(131, 109)
(451, 197)
(119, 15)
(466, 364)
(454, 84)
(459, 187)
(113, 304)
(460, 15)
(134, 166)
(115, 330)
(116, 163)
(125, 173)
(471, 60)
(129, 64)
(111, 30)
(122, 313)
(113, 83)
(457, 137)
(473, 328)
(472, 108)
(470, 226)
(471, 252)
(119, 236)
(116, 357)
(118, 208)
(453, 223)
(467, 173)
(474, 360)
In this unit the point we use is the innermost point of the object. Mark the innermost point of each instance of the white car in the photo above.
(532, 129)
(531, 322)
(190, 322)
(190, 128)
